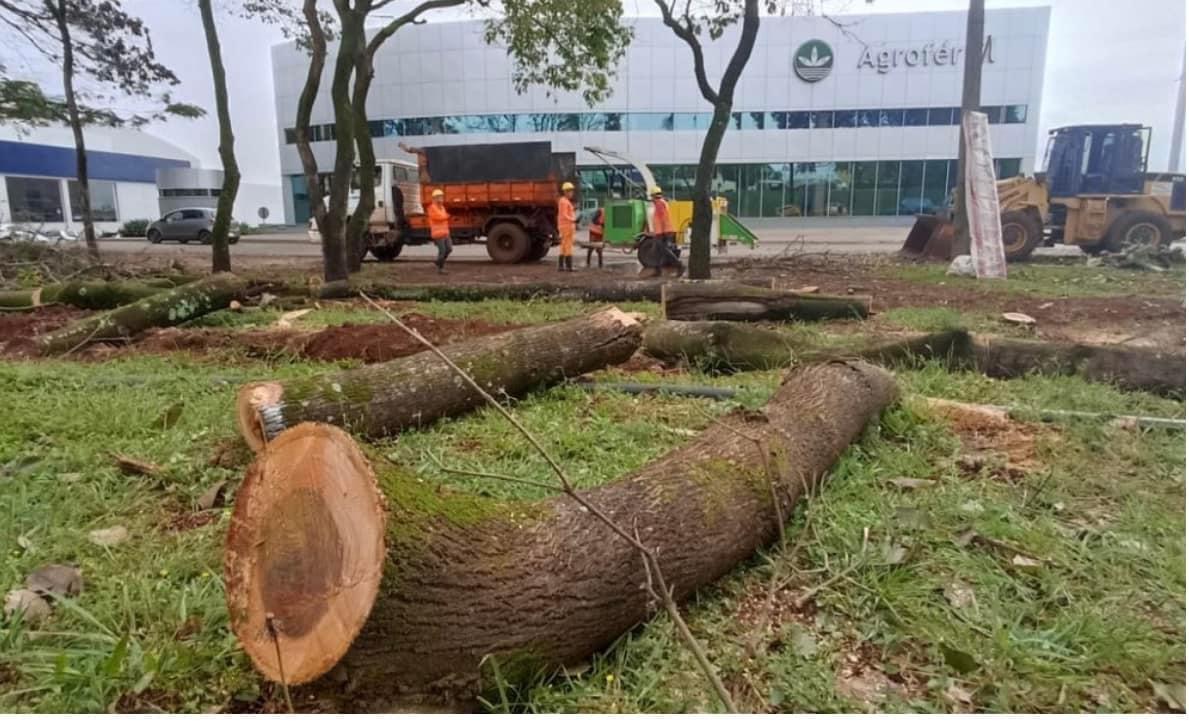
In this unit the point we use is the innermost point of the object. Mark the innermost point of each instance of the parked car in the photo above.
(186, 224)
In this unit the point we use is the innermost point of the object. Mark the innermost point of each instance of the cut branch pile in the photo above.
(472, 584)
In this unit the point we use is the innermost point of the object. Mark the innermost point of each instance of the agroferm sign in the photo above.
(814, 59)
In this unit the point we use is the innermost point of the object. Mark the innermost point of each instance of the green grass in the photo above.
(1065, 279)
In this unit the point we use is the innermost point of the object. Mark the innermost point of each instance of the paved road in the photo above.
(773, 241)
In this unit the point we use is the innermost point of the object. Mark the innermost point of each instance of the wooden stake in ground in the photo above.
(167, 308)
(729, 301)
(386, 398)
(472, 584)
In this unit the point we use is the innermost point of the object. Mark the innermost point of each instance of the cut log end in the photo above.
(249, 402)
(305, 552)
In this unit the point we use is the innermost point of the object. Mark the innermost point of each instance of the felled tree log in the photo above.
(1128, 367)
(96, 295)
(385, 398)
(164, 308)
(472, 584)
(718, 345)
(729, 301)
(610, 291)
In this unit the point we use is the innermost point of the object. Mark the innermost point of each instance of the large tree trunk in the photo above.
(61, 15)
(473, 585)
(685, 301)
(972, 82)
(89, 296)
(334, 242)
(167, 308)
(357, 227)
(386, 398)
(309, 163)
(616, 291)
(220, 248)
(719, 345)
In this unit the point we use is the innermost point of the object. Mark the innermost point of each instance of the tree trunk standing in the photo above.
(220, 248)
(472, 585)
(699, 245)
(383, 399)
(357, 227)
(76, 126)
(972, 79)
(305, 107)
(334, 242)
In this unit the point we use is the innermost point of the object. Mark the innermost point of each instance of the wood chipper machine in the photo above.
(627, 220)
(1095, 192)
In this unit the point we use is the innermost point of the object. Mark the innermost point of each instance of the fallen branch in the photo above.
(658, 388)
(729, 301)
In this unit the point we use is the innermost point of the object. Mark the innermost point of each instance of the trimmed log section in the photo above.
(718, 345)
(612, 291)
(89, 296)
(385, 398)
(730, 301)
(1128, 367)
(165, 308)
(528, 586)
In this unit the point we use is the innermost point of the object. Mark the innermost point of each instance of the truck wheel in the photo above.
(1137, 229)
(387, 253)
(1022, 232)
(507, 243)
(539, 250)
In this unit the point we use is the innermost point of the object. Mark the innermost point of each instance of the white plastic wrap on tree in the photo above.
(982, 198)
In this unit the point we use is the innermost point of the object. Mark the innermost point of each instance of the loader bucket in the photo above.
(931, 237)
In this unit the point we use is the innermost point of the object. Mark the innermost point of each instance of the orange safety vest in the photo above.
(596, 225)
(439, 221)
(660, 217)
(566, 217)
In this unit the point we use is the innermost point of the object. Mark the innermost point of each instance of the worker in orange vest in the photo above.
(567, 226)
(595, 243)
(662, 229)
(439, 227)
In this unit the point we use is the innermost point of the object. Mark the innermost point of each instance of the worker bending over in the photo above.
(662, 228)
(567, 226)
(595, 242)
(439, 227)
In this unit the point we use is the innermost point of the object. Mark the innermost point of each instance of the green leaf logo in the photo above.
(813, 61)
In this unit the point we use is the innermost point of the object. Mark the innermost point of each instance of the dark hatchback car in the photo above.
(186, 224)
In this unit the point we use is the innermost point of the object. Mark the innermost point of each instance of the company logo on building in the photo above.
(813, 61)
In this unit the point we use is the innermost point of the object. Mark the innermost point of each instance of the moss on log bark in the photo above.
(163, 308)
(87, 295)
(386, 398)
(731, 301)
(471, 583)
(718, 345)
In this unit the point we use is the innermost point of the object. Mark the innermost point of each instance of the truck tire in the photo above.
(539, 250)
(387, 253)
(1022, 232)
(1138, 229)
(508, 243)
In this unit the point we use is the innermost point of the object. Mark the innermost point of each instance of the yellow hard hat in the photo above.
(438, 192)
(656, 190)
(567, 186)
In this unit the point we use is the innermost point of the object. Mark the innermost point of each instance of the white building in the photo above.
(38, 185)
(829, 121)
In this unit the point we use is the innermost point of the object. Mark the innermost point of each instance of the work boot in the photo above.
(561, 263)
(600, 261)
(570, 263)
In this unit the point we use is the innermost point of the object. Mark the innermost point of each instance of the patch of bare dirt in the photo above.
(18, 330)
(253, 342)
(383, 342)
(993, 441)
(180, 521)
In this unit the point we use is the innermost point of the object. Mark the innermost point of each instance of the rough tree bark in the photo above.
(60, 12)
(472, 583)
(169, 307)
(386, 398)
(719, 345)
(723, 100)
(605, 291)
(1128, 367)
(684, 301)
(89, 296)
(350, 41)
(972, 83)
(220, 248)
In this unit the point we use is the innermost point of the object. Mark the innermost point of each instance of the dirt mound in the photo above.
(377, 343)
(18, 329)
(256, 342)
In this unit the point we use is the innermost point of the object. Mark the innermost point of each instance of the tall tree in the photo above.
(688, 24)
(95, 40)
(972, 82)
(220, 248)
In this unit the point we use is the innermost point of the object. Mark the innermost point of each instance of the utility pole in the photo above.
(972, 82)
(1178, 125)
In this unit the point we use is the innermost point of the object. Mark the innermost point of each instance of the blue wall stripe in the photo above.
(58, 162)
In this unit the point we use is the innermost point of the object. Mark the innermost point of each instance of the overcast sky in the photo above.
(1108, 61)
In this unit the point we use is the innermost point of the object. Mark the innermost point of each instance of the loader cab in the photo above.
(1097, 160)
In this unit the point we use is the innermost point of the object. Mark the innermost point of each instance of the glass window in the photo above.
(868, 118)
(290, 136)
(772, 177)
(750, 120)
(1015, 114)
(994, 113)
(413, 126)
(916, 117)
(34, 200)
(798, 121)
(454, 124)
(535, 123)
(845, 119)
(840, 189)
(942, 116)
(567, 122)
(375, 128)
(749, 196)
(1008, 167)
(103, 200)
(691, 121)
(891, 118)
(683, 181)
(933, 197)
(794, 192)
(726, 184)
(951, 180)
(777, 120)
(821, 119)
(912, 174)
(650, 121)
(818, 178)
(863, 198)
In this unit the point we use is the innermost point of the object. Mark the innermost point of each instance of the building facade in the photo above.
(840, 117)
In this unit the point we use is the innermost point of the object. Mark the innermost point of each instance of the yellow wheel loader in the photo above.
(1095, 193)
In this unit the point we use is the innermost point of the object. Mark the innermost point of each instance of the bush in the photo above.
(134, 228)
